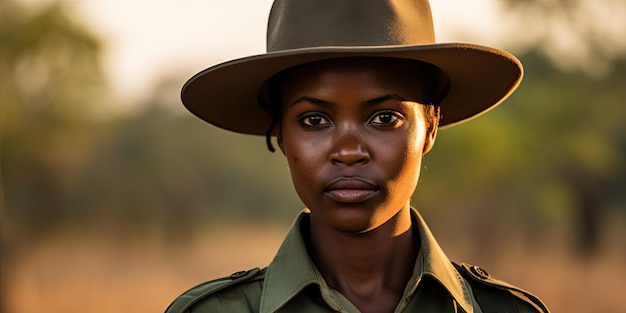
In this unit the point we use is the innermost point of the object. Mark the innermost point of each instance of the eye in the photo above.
(386, 118)
(315, 120)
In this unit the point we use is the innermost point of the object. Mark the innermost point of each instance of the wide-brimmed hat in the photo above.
(303, 31)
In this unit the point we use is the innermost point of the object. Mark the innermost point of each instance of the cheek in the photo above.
(297, 150)
(409, 158)
(405, 158)
(301, 148)
(302, 157)
(416, 148)
(303, 177)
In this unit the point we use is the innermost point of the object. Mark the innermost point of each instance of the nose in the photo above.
(349, 148)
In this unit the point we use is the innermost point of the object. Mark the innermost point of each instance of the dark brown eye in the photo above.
(385, 119)
(315, 120)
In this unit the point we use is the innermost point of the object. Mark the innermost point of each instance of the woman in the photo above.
(354, 92)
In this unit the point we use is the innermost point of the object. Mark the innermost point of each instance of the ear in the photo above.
(429, 141)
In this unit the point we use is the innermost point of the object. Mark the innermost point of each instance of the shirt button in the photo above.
(238, 274)
(479, 272)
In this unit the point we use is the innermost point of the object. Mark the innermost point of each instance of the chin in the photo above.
(355, 221)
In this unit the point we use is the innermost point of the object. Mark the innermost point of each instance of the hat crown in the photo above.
(295, 24)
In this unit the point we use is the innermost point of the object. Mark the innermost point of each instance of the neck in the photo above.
(370, 268)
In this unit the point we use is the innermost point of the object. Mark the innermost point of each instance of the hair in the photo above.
(274, 107)
(438, 87)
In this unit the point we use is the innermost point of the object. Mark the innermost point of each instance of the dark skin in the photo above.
(354, 133)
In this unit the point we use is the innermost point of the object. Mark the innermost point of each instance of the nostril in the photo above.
(350, 157)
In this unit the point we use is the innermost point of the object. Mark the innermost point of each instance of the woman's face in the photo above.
(354, 132)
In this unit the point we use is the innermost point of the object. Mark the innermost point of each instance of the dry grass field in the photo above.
(96, 274)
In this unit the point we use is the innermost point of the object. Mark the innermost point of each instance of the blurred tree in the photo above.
(574, 34)
(579, 122)
(174, 174)
(587, 35)
(49, 77)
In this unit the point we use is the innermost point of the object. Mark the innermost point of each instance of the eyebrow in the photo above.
(310, 100)
(382, 99)
(367, 103)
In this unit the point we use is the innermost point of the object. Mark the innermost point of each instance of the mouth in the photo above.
(350, 189)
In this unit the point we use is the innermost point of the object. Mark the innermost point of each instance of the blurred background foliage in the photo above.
(548, 163)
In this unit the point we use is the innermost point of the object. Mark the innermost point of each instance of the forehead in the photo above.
(410, 77)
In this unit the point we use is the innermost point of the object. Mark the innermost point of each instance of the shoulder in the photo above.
(229, 292)
(494, 295)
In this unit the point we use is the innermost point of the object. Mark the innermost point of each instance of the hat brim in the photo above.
(226, 95)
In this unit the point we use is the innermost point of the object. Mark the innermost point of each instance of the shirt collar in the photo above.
(292, 270)
(436, 264)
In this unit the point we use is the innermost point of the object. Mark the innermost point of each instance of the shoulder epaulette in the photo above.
(185, 301)
(479, 275)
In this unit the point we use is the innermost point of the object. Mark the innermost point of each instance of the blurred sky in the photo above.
(146, 40)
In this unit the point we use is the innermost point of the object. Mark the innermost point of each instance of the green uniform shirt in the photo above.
(292, 283)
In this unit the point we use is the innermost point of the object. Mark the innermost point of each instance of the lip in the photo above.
(350, 189)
